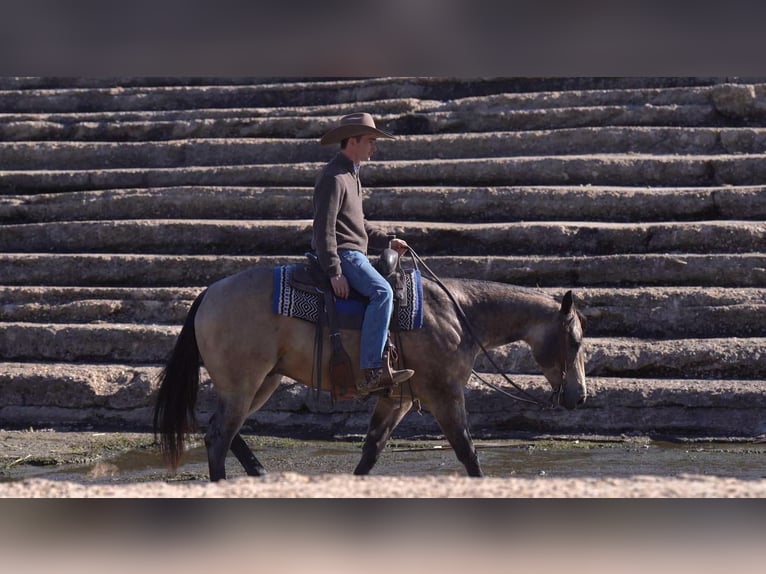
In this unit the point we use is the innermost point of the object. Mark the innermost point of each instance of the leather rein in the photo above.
(523, 396)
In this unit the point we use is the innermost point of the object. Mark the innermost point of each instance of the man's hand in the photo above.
(399, 245)
(340, 286)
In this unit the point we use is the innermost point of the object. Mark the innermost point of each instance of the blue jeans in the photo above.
(365, 279)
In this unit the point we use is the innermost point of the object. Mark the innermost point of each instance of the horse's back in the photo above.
(242, 293)
(234, 315)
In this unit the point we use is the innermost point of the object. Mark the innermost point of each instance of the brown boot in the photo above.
(381, 379)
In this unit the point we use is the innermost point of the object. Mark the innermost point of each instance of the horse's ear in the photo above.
(567, 303)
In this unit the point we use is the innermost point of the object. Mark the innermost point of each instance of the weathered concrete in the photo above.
(410, 203)
(71, 155)
(646, 312)
(121, 396)
(735, 270)
(117, 96)
(605, 169)
(246, 124)
(161, 236)
(142, 344)
(645, 195)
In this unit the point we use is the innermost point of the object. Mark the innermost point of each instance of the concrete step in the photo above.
(603, 167)
(72, 155)
(96, 311)
(436, 203)
(109, 395)
(290, 98)
(634, 170)
(184, 112)
(116, 96)
(716, 358)
(654, 407)
(243, 124)
(129, 270)
(646, 312)
(725, 358)
(226, 237)
(672, 312)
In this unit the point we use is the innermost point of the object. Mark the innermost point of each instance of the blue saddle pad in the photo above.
(304, 305)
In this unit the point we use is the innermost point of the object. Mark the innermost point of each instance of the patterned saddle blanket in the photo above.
(307, 305)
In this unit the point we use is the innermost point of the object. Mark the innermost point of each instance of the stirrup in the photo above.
(382, 379)
(398, 377)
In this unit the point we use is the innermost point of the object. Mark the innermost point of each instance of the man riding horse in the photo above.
(341, 236)
(247, 347)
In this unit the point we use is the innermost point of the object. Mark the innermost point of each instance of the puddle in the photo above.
(519, 458)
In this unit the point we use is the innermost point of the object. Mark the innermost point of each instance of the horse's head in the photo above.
(561, 355)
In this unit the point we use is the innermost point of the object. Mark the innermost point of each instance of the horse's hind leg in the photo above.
(239, 447)
(246, 457)
(387, 415)
(224, 426)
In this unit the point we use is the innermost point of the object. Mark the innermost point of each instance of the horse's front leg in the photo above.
(452, 418)
(388, 413)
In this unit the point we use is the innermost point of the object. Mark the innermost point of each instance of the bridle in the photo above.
(563, 361)
(523, 396)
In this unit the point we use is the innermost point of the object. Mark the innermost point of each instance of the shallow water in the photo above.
(503, 458)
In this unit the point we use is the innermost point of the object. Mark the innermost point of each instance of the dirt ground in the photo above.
(24, 451)
(294, 485)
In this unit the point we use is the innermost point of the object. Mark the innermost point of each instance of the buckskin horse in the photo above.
(247, 349)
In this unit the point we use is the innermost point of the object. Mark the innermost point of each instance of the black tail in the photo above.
(177, 394)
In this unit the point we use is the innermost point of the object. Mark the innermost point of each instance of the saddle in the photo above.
(311, 278)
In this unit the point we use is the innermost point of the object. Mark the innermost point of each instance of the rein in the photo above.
(524, 395)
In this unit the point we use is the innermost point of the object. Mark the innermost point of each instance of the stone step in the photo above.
(647, 312)
(246, 125)
(602, 157)
(291, 94)
(407, 95)
(654, 407)
(439, 203)
(634, 170)
(115, 96)
(724, 358)
(727, 358)
(716, 105)
(669, 312)
(226, 237)
(108, 395)
(129, 270)
(72, 155)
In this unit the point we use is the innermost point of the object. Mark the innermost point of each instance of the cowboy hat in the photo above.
(353, 125)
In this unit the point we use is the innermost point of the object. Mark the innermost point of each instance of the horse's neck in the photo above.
(501, 314)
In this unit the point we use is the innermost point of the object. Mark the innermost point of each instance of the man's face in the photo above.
(361, 150)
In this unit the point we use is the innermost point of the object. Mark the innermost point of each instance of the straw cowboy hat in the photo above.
(353, 125)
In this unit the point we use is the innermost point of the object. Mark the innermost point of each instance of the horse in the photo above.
(247, 349)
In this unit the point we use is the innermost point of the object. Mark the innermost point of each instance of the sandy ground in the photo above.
(293, 485)
(25, 453)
